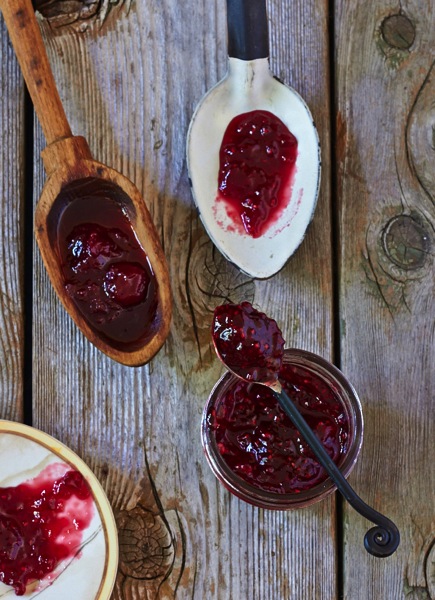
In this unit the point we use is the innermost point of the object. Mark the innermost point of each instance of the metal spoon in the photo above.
(68, 163)
(380, 541)
(250, 86)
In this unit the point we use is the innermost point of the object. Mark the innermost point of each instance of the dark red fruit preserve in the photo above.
(253, 447)
(257, 161)
(261, 445)
(106, 271)
(248, 342)
(41, 524)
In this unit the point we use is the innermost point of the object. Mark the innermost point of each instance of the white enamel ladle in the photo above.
(248, 86)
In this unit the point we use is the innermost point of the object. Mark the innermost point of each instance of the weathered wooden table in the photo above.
(359, 291)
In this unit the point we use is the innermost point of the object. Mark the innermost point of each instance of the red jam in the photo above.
(259, 442)
(257, 165)
(106, 271)
(248, 342)
(41, 524)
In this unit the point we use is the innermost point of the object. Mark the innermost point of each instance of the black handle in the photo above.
(380, 541)
(248, 37)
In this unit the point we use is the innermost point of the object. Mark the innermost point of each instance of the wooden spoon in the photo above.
(249, 86)
(67, 160)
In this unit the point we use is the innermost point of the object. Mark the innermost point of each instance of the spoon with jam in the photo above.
(251, 346)
(253, 153)
(96, 236)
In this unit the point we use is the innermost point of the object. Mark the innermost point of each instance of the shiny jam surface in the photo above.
(248, 342)
(257, 162)
(106, 271)
(259, 442)
(42, 523)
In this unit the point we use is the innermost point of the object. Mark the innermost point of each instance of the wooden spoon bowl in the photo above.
(67, 159)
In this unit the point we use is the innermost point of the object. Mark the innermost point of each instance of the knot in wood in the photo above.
(406, 242)
(67, 12)
(146, 546)
(398, 31)
(219, 279)
(79, 8)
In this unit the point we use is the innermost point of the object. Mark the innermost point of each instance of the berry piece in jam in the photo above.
(259, 442)
(126, 283)
(41, 524)
(248, 342)
(90, 247)
(257, 162)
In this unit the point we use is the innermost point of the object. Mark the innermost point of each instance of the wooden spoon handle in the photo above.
(29, 47)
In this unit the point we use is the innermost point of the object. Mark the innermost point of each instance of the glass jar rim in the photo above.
(346, 393)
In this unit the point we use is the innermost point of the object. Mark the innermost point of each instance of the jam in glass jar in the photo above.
(257, 453)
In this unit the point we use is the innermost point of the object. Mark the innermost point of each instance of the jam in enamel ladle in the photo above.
(125, 308)
(253, 149)
(250, 345)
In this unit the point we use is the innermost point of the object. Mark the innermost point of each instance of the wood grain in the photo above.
(11, 232)
(385, 90)
(130, 85)
(130, 75)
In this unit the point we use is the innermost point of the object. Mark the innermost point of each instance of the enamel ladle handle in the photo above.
(248, 33)
(380, 541)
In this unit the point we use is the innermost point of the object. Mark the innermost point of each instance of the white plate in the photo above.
(24, 453)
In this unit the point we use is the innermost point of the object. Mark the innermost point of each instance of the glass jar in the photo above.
(329, 378)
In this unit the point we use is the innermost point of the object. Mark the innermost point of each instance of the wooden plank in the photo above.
(130, 85)
(11, 232)
(385, 90)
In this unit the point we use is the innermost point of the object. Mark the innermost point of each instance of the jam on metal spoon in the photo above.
(250, 344)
